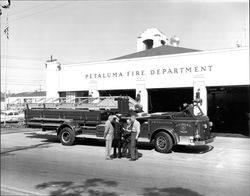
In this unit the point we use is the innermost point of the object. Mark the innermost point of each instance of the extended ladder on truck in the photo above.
(83, 115)
(85, 103)
(86, 111)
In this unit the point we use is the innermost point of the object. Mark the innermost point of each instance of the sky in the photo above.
(89, 31)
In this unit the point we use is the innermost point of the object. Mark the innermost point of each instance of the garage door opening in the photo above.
(161, 100)
(129, 92)
(229, 109)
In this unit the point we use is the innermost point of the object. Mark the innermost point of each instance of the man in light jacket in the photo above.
(109, 136)
(134, 137)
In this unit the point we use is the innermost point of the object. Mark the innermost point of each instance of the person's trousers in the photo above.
(108, 148)
(126, 148)
(133, 145)
(117, 143)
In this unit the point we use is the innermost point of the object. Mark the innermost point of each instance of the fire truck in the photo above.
(87, 116)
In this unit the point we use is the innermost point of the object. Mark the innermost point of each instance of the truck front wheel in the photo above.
(163, 142)
(67, 136)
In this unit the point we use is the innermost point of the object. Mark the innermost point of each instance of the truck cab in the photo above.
(187, 127)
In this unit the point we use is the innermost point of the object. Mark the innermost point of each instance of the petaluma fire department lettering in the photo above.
(182, 70)
(152, 72)
(104, 75)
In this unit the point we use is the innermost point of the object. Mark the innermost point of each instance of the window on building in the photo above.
(148, 43)
(80, 95)
(62, 94)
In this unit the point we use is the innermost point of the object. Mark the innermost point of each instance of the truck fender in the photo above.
(168, 130)
(69, 124)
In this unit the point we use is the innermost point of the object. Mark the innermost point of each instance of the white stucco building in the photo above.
(167, 76)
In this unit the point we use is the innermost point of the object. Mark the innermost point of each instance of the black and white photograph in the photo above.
(125, 98)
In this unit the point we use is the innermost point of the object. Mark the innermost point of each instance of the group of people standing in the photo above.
(123, 137)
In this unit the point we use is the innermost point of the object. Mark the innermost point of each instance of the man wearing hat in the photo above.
(117, 142)
(108, 136)
(134, 137)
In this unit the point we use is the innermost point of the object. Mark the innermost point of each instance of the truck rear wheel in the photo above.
(67, 136)
(163, 142)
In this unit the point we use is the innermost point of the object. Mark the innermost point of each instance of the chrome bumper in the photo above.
(204, 141)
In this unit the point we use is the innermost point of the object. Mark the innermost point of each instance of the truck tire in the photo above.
(163, 142)
(67, 136)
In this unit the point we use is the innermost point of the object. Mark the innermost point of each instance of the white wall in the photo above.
(218, 68)
(151, 34)
(52, 79)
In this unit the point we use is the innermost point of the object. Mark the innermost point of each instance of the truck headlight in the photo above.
(210, 124)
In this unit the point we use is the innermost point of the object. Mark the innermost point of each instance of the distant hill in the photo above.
(30, 94)
(24, 94)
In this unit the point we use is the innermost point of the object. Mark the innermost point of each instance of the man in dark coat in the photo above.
(126, 139)
(117, 142)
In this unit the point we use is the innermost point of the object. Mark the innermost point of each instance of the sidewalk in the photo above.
(219, 134)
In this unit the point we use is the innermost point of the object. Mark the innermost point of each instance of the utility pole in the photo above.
(6, 5)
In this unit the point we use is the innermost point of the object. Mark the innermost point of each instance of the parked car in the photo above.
(11, 116)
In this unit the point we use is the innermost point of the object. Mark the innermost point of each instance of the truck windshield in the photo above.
(197, 111)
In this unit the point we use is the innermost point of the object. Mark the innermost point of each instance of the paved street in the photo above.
(36, 164)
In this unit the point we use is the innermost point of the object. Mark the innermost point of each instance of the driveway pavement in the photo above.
(33, 162)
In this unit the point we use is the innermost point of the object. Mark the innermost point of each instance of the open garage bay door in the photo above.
(129, 92)
(229, 109)
(168, 99)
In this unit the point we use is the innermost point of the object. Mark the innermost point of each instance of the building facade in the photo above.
(166, 77)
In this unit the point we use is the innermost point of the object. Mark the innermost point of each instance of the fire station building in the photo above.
(166, 76)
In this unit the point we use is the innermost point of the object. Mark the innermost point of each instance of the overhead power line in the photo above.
(26, 81)
(9, 84)
(16, 77)
(43, 60)
(39, 12)
(20, 67)
(28, 9)
(23, 58)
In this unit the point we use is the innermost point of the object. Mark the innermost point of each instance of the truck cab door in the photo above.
(144, 132)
